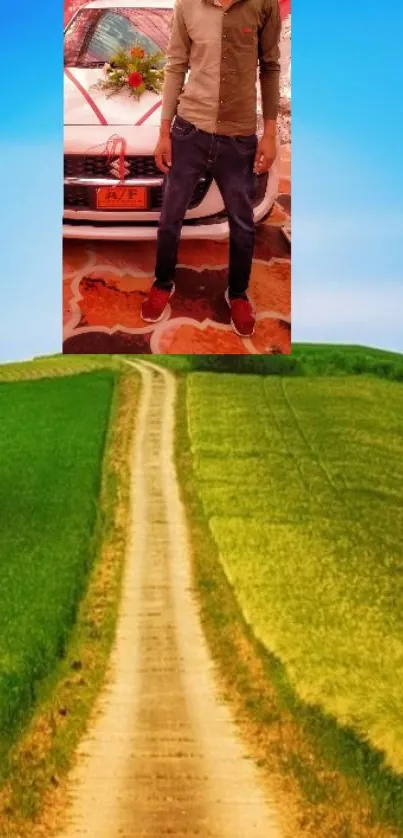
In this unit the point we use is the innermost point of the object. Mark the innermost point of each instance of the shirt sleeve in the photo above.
(269, 60)
(177, 63)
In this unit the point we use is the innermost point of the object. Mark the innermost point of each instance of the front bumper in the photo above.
(206, 219)
(218, 231)
(82, 220)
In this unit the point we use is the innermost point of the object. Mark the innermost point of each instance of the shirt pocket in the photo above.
(240, 49)
(243, 37)
(248, 36)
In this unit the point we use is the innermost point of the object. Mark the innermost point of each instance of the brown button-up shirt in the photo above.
(223, 46)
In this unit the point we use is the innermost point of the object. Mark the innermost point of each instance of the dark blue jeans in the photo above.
(230, 161)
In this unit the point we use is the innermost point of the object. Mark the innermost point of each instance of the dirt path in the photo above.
(163, 757)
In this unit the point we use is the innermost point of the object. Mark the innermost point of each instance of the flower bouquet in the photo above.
(134, 70)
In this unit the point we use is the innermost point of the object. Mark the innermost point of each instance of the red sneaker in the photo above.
(242, 316)
(154, 306)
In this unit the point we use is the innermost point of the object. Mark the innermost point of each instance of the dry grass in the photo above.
(302, 752)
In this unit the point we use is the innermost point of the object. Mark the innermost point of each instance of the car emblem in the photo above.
(114, 168)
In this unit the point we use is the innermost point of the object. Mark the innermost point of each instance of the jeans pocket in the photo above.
(246, 145)
(182, 129)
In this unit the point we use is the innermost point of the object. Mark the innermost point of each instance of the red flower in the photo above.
(135, 80)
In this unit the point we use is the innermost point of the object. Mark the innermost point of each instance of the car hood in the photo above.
(85, 105)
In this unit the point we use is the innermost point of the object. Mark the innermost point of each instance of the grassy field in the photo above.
(33, 796)
(293, 486)
(55, 366)
(305, 360)
(52, 438)
(301, 482)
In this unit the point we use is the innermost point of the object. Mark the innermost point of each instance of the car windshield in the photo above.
(94, 35)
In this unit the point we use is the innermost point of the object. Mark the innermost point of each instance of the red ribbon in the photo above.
(149, 113)
(86, 95)
(116, 147)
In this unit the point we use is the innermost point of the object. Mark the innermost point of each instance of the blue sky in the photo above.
(347, 176)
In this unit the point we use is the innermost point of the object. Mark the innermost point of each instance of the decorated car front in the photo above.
(114, 58)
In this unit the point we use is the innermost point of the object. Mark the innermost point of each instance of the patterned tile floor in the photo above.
(104, 284)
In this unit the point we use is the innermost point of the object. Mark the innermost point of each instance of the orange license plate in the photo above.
(122, 197)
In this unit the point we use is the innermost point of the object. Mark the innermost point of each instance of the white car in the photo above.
(91, 118)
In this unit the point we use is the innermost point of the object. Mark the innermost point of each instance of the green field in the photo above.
(55, 366)
(52, 437)
(294, 480)
(305, 360)
(301, 481)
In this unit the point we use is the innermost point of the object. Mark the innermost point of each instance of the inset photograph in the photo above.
(177, 158)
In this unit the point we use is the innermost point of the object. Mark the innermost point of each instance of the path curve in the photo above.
(162, 757)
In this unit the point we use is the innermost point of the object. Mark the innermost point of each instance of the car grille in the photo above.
(78, 197)
(97, 166)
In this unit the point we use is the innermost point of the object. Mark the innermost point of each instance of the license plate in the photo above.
(122, 197)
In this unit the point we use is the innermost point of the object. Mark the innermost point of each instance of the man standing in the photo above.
(222, 42)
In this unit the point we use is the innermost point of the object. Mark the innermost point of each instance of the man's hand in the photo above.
(265, 154)
(163, 149)
(163, 154)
